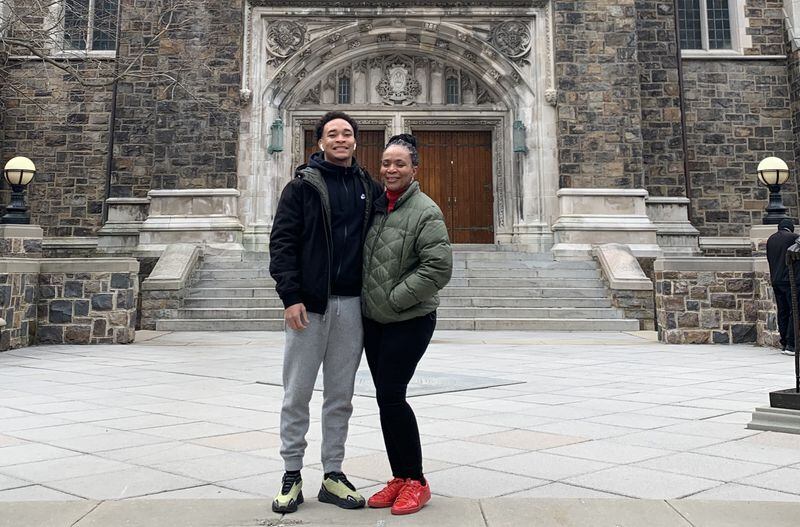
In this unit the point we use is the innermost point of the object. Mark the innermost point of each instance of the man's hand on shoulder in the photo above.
(296, 316)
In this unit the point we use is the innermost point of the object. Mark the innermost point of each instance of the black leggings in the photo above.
(393, 351)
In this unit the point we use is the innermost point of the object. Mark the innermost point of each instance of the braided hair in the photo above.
(407, 141)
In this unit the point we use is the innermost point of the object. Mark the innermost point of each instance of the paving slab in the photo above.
(181, 513)
(738, 514)
(509, 512)
(43, 513)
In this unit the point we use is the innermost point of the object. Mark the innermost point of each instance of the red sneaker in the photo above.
(386, 496)
(412, 497)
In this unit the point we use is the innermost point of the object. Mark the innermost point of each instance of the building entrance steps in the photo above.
(491, 289)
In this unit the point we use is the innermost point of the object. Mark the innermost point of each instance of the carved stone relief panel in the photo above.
(398, 80)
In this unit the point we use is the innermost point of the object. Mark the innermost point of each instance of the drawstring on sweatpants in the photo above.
(338, 306)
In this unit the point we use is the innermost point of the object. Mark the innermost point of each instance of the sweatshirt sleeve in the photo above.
(285, 245)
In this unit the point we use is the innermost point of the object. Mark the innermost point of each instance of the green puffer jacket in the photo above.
(407, 259)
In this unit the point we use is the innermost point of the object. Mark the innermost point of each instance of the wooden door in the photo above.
(456, 172)
(368, 149)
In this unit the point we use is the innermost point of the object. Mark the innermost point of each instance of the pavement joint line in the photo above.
(483, 513)
(669, 504)
(76, 522)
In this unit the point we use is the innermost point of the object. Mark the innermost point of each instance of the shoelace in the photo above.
(391, 485)
(288, 482)
(408, 493)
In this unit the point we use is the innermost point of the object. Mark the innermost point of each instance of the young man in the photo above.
(777, 244)
(315, 258)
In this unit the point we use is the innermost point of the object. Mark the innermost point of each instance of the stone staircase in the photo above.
(491, 289)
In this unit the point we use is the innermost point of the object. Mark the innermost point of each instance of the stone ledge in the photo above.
(20, 231)
(181, 193)
(775, 420)
(704, 263)
(89, 265)
(174, 268)
(621, 268)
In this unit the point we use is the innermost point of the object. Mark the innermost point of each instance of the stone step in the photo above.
(177, 324)
(457, 264)
(238, 313)
(241, 303)
(537, 324)
(240, 274)
(446, 301)
(543, 282)
(235, 292)
(526, 324)
(525, 292)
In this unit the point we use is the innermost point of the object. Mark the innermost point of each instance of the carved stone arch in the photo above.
(298, 74)
(290, 94)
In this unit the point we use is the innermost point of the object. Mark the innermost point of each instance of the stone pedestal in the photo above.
(591, 217)
(675, 234)
(775, 420)
(20, 241)
(205, 217)
(120, 234)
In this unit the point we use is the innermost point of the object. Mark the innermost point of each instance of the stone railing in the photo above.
(714, 300)
(630, 288)
(68, 301)
(162, 291)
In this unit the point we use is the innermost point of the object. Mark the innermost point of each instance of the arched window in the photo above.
(343, 90)
(452, 87)
(705, 24)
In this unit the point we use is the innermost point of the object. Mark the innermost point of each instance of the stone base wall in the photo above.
(68, 301)
(18, 300)
(767, 322)
(159, 304)
(87, 308)
(714, 301)
(636, 304)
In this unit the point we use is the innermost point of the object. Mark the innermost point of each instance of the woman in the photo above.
(407, 260)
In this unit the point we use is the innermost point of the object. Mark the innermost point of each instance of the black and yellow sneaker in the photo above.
(291, 494)
(340, 492)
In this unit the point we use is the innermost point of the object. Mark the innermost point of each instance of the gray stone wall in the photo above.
(636, 304)
(87, 307)
(714, 300)
(737, 113)
(68, 301)
(599, 114)
(767, 322)
(63, 127)
(177, 124)
(18, 301)
(662, 137)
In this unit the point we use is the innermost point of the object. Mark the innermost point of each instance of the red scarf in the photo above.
(393, 197)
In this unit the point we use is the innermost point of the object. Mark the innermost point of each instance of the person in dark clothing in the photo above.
(316, 248)
(777, 244)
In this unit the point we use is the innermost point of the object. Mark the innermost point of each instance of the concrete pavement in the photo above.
(185, 424)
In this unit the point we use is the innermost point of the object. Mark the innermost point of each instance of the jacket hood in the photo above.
(317, 160)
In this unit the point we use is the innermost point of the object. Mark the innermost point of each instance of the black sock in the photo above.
(293, 473)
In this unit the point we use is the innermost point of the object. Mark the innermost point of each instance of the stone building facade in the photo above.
(565, 124)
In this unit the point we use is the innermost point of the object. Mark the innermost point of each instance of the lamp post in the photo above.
(772, 173)
(19, 171)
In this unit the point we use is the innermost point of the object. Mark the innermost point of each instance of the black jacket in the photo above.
(776, 255)
(310, 256)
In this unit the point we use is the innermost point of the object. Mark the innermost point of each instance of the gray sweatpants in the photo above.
(333, 340)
